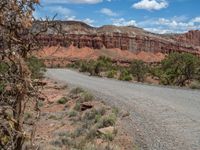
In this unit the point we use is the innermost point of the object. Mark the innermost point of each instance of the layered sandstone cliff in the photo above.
(129, 38)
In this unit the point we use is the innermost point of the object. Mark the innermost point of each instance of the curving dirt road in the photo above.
(160, 118)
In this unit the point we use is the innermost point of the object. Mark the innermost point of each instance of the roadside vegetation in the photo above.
(36, 67)
(18, 72)
(177, 69)
(78, 121)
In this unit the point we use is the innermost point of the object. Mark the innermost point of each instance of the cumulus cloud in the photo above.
(158, 30)
(196, 20)
(86, 20)
(108, 12)
(151, 4)
(70, 18)
(72, 1)
(124, 22)
(175, 24)
(170, 25)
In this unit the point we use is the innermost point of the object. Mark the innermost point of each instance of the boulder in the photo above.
(107, 130)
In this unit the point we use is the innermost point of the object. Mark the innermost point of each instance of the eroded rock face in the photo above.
(125, 38)
(191, 37)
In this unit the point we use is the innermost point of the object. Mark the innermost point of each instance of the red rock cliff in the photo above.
(126, 38)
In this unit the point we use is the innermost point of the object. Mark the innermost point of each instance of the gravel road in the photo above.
(160, 118)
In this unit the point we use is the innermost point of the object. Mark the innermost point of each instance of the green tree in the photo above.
(36, 66)
(125, 75)
(178, 68)
(139, 70)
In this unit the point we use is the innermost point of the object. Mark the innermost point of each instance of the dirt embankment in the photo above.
(72, 118)
(61, 56)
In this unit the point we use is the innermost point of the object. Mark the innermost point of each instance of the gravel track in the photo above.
(160, 118)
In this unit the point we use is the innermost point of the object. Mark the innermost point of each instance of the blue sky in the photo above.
(160, 16)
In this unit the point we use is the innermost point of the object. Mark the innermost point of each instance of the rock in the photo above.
(86, 106)
(39, 83)
(191, 37)
(107, 130)
(125, 38)
(125, 114)
(42, 97)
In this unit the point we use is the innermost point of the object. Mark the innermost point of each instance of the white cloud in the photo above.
(123, 22)
(60, 10)
(70, 17)
(72, 1)
(86, 20)
(151, 4)
(196, 20)
(175, 24)
(158, 30)
(108, 12)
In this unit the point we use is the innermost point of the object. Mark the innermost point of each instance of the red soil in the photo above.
(88, 53)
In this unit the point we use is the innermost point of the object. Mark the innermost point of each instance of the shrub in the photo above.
(139, 70)
(77, 90)
(155, 71)
(87, 66)
(125, 75)
(104, 63)
(63, 100)
(87, 96)
(2, 86)
(53, 117)
(178, 68)
(93, 67)
(92, 133)
(75, 65)
(107, 121)
(72, 113)
(115, 111)
(108, 136)
(57, 143)
(111, 74)
(40, 103)
(78, 132)
(36, 66)
(195, 85)
(77, 107)
(91, 115)
(3, 67)
(27, 116)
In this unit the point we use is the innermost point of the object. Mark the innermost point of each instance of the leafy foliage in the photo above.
(3, 67)
(16, 85)
(125, 75)
(36, 66)
(111, 74)
(178, 68)
(139, 70)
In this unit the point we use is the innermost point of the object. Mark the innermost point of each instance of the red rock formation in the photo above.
(191, 37)
(125, 38)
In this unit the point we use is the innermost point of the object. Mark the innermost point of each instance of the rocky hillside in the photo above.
(128, 38)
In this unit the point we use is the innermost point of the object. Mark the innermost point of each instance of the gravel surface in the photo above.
(160, 118)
